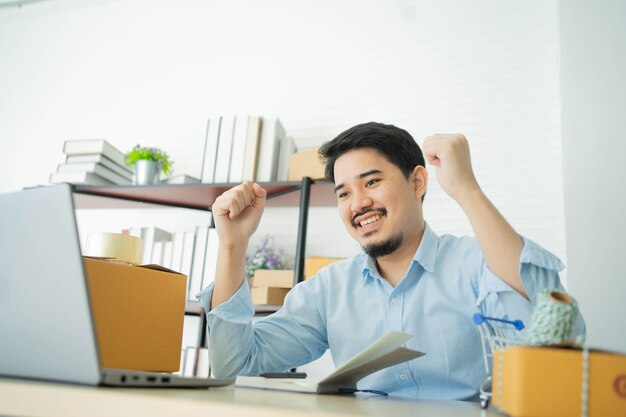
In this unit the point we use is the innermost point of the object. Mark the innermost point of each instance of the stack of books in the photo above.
(246, 148)
(194, 362)
(92, 162)
(194, 358)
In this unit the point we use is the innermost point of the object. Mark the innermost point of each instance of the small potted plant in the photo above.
(267, 274)
(265, 257)
(148, 163)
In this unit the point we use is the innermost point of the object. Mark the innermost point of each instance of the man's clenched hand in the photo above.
(237, 213)
(450, 155)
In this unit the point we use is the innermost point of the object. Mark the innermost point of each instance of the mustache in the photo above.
(381, 210)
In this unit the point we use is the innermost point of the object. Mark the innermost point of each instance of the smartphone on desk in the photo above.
(297, 375)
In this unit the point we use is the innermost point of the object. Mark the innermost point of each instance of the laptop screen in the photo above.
(45, 316)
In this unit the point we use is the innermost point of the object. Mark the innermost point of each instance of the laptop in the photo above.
(47, 330)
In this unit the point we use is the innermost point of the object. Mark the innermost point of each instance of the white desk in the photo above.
(33, 398)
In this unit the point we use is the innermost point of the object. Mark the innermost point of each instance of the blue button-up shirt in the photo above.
(348, 305)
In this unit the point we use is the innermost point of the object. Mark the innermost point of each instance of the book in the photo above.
(240, 137)
(210, 149)
(157, 254)
(187, 256)
(178, 239)
(192, 330)
(252, 148)
(210, 258)
(167, 254)
(101, 159)
(287, 148)
(94, 146)
(81, 177)
(197, 269)
(272, 132)
(202, 369)
(191, 360)
(384, 352)
(150, 235)
(196, 362)
(181, 179)
(98, 169)
(224, 149)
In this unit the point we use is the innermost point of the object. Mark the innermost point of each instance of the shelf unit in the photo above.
(304, 194)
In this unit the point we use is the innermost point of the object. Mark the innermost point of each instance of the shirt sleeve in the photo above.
(291, 337)
(539, 269)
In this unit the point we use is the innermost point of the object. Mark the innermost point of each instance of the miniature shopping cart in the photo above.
(495, 334)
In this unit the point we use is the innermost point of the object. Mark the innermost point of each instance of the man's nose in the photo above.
(360, 201)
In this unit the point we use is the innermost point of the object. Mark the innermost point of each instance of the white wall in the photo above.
(152, 71)
(593, 92)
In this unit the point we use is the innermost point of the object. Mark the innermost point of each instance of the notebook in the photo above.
(384, 352)
(46, 321)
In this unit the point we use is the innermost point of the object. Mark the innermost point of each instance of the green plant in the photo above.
(151, 154)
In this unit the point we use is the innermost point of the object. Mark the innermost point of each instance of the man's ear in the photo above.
(419, 179)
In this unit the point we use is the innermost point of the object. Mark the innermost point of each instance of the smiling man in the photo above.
(407, 278)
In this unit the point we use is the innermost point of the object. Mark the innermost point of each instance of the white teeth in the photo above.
(370, 220)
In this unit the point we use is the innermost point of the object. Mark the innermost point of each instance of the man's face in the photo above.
(379, 206)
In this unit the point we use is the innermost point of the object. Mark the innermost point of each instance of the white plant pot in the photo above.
(146, 172)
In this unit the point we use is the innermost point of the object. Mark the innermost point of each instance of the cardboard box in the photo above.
(314, 264)
(305, 164)
(547, 382)
(278, 278)
(268, 295)
(138, 312)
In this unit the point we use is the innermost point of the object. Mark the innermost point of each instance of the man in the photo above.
(408, 279)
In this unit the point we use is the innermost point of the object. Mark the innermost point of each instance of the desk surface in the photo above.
(28, 398)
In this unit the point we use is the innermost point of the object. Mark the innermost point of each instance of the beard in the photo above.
(386, 247)
(381, 248)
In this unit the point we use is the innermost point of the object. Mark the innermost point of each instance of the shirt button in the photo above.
(394, 300)
(403, 377)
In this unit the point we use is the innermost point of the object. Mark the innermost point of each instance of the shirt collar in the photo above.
(426, 255)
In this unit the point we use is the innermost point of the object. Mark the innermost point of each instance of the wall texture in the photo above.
(152, 71)
(593, 91)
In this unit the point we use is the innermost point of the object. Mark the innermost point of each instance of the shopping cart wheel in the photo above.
(484, 403)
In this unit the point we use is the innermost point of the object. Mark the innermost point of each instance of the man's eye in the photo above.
(342, 195)
(371, 182)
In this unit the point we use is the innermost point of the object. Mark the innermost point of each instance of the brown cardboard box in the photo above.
(547, 382)
(315, 263)
(305, 164)
(279, 278)
(268, 295)
(138, 311)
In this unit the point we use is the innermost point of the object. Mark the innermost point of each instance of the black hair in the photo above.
(393, 143)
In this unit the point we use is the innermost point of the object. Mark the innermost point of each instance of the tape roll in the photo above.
(114, 245)
(552, 319)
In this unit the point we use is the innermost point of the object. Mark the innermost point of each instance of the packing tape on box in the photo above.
(114, 245)
(552, 319)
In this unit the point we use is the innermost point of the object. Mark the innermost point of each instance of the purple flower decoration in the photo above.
(265, 257)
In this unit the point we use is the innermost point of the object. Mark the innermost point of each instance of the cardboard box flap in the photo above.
(147, 266)
(159, 268)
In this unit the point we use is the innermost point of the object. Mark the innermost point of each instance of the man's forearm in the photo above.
(230, 273)
(500, 243)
